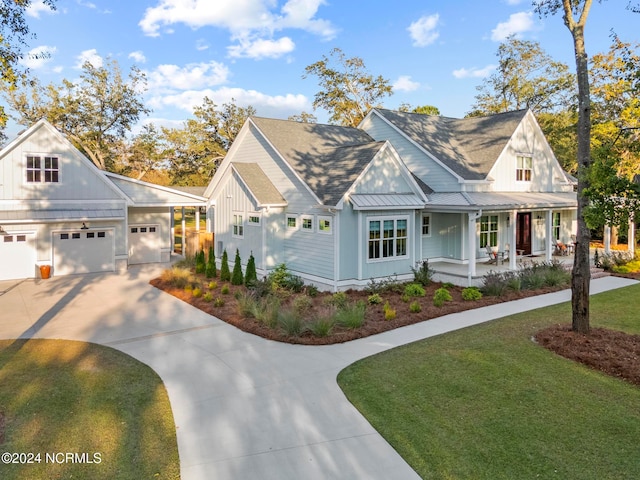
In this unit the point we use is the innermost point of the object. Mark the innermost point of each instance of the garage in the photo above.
(18, 254)
(144, 244)
(83, 251)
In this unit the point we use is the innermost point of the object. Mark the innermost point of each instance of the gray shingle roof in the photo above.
(257, 181)
(328, 158)
(467, 146)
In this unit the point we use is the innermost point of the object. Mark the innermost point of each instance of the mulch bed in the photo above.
(612, 352)
(374, 323)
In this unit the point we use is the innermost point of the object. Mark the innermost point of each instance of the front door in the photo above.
(523, 233)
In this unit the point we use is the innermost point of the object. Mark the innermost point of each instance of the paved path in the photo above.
(244, 407)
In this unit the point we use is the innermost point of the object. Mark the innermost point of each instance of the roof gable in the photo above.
(327, 158)
(146, 194)
(263, 190)
(469, 147)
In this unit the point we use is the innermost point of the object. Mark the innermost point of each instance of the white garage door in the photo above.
(144, 244)
(83, 251)
(17, 256)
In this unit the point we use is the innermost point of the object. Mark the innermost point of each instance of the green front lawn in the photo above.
(488, 403)
(106, 409)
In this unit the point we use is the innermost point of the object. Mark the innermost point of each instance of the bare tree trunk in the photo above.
(581, 265)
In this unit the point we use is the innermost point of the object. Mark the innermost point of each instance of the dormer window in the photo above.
(524, 167)
(42, 169)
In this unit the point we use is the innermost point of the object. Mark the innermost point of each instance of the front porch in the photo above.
(458, 273)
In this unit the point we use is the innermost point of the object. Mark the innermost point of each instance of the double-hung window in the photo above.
(426, 225)
(387, 238)
(238, 225)
(488, 231)
(524, 167)
(42, 169)
(556, 225)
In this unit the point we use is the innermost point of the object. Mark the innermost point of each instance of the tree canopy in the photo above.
(96, 112)
(347, 90)
(14, 32)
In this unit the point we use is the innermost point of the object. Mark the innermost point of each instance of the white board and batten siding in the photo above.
(417, 161)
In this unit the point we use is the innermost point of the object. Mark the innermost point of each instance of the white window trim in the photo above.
(428, 215)
(254, 214)
(42, 168)
(524, 157)
(322, 218)
(240, 225)
(556, 229)
(489, 231)
(392, 258)
(295, 219)
(302, 219)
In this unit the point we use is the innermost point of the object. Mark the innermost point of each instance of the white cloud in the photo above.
(474, 72)
(268, 105)
(261, 48)
(191, 76)
(90, 56)
(202, 44)
(518, 23)
(513, 2)
(38, 57)
(423, 31)
(35, 9)
(239, 17)
(138, 56)
(405, 84)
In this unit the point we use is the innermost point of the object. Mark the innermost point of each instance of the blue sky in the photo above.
(255, 51)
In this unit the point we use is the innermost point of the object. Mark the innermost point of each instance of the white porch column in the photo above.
(631, 236)
(471, 244)
(548, 233)
(513, 252)
(607, 239)
(173, 228)
(197, 219)
(184, 234)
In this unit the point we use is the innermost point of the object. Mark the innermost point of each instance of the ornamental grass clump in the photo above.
(415, 307)
(351, 315)
(224, 290)
(322, 326)
(290, 322)
(177, 277)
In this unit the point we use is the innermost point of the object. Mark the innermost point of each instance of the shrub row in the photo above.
(531, 276)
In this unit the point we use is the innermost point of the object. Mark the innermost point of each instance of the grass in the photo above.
(64, 396)
(488, 403)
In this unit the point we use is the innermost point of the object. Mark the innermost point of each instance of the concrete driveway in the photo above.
(244, 407)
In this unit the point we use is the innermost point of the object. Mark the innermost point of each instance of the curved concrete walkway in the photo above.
(244, 407)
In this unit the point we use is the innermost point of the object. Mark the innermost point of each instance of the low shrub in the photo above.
(423, 274)
(471, 293)
(224, 290)
(218, 302)
(351, 315)
(282, 278)
(631, 267)
(389, 313)
(188, 287)
(385, 285)
(302, 304)
(415, 307)
(448, 285)
(213, 285)
(207, 297)
(441, 296)
(338, 300)
(414, 290)
(311, 290)
(196, 292)
(374, 299)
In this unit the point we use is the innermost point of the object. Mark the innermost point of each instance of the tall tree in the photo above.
(14, 32)
(526, 77)
(347, 90)
(96, 112)
(145, 152)
(575, 14)
(422, 109)
(195, 150)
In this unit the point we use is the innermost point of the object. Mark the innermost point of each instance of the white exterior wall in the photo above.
(160, 216)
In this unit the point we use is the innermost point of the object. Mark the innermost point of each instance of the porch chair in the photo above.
(561, 248)
(493, 256)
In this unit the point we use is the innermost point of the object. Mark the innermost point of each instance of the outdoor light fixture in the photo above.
(2, 231)
(84, 227)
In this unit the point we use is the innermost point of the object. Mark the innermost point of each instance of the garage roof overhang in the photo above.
(56, 216)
